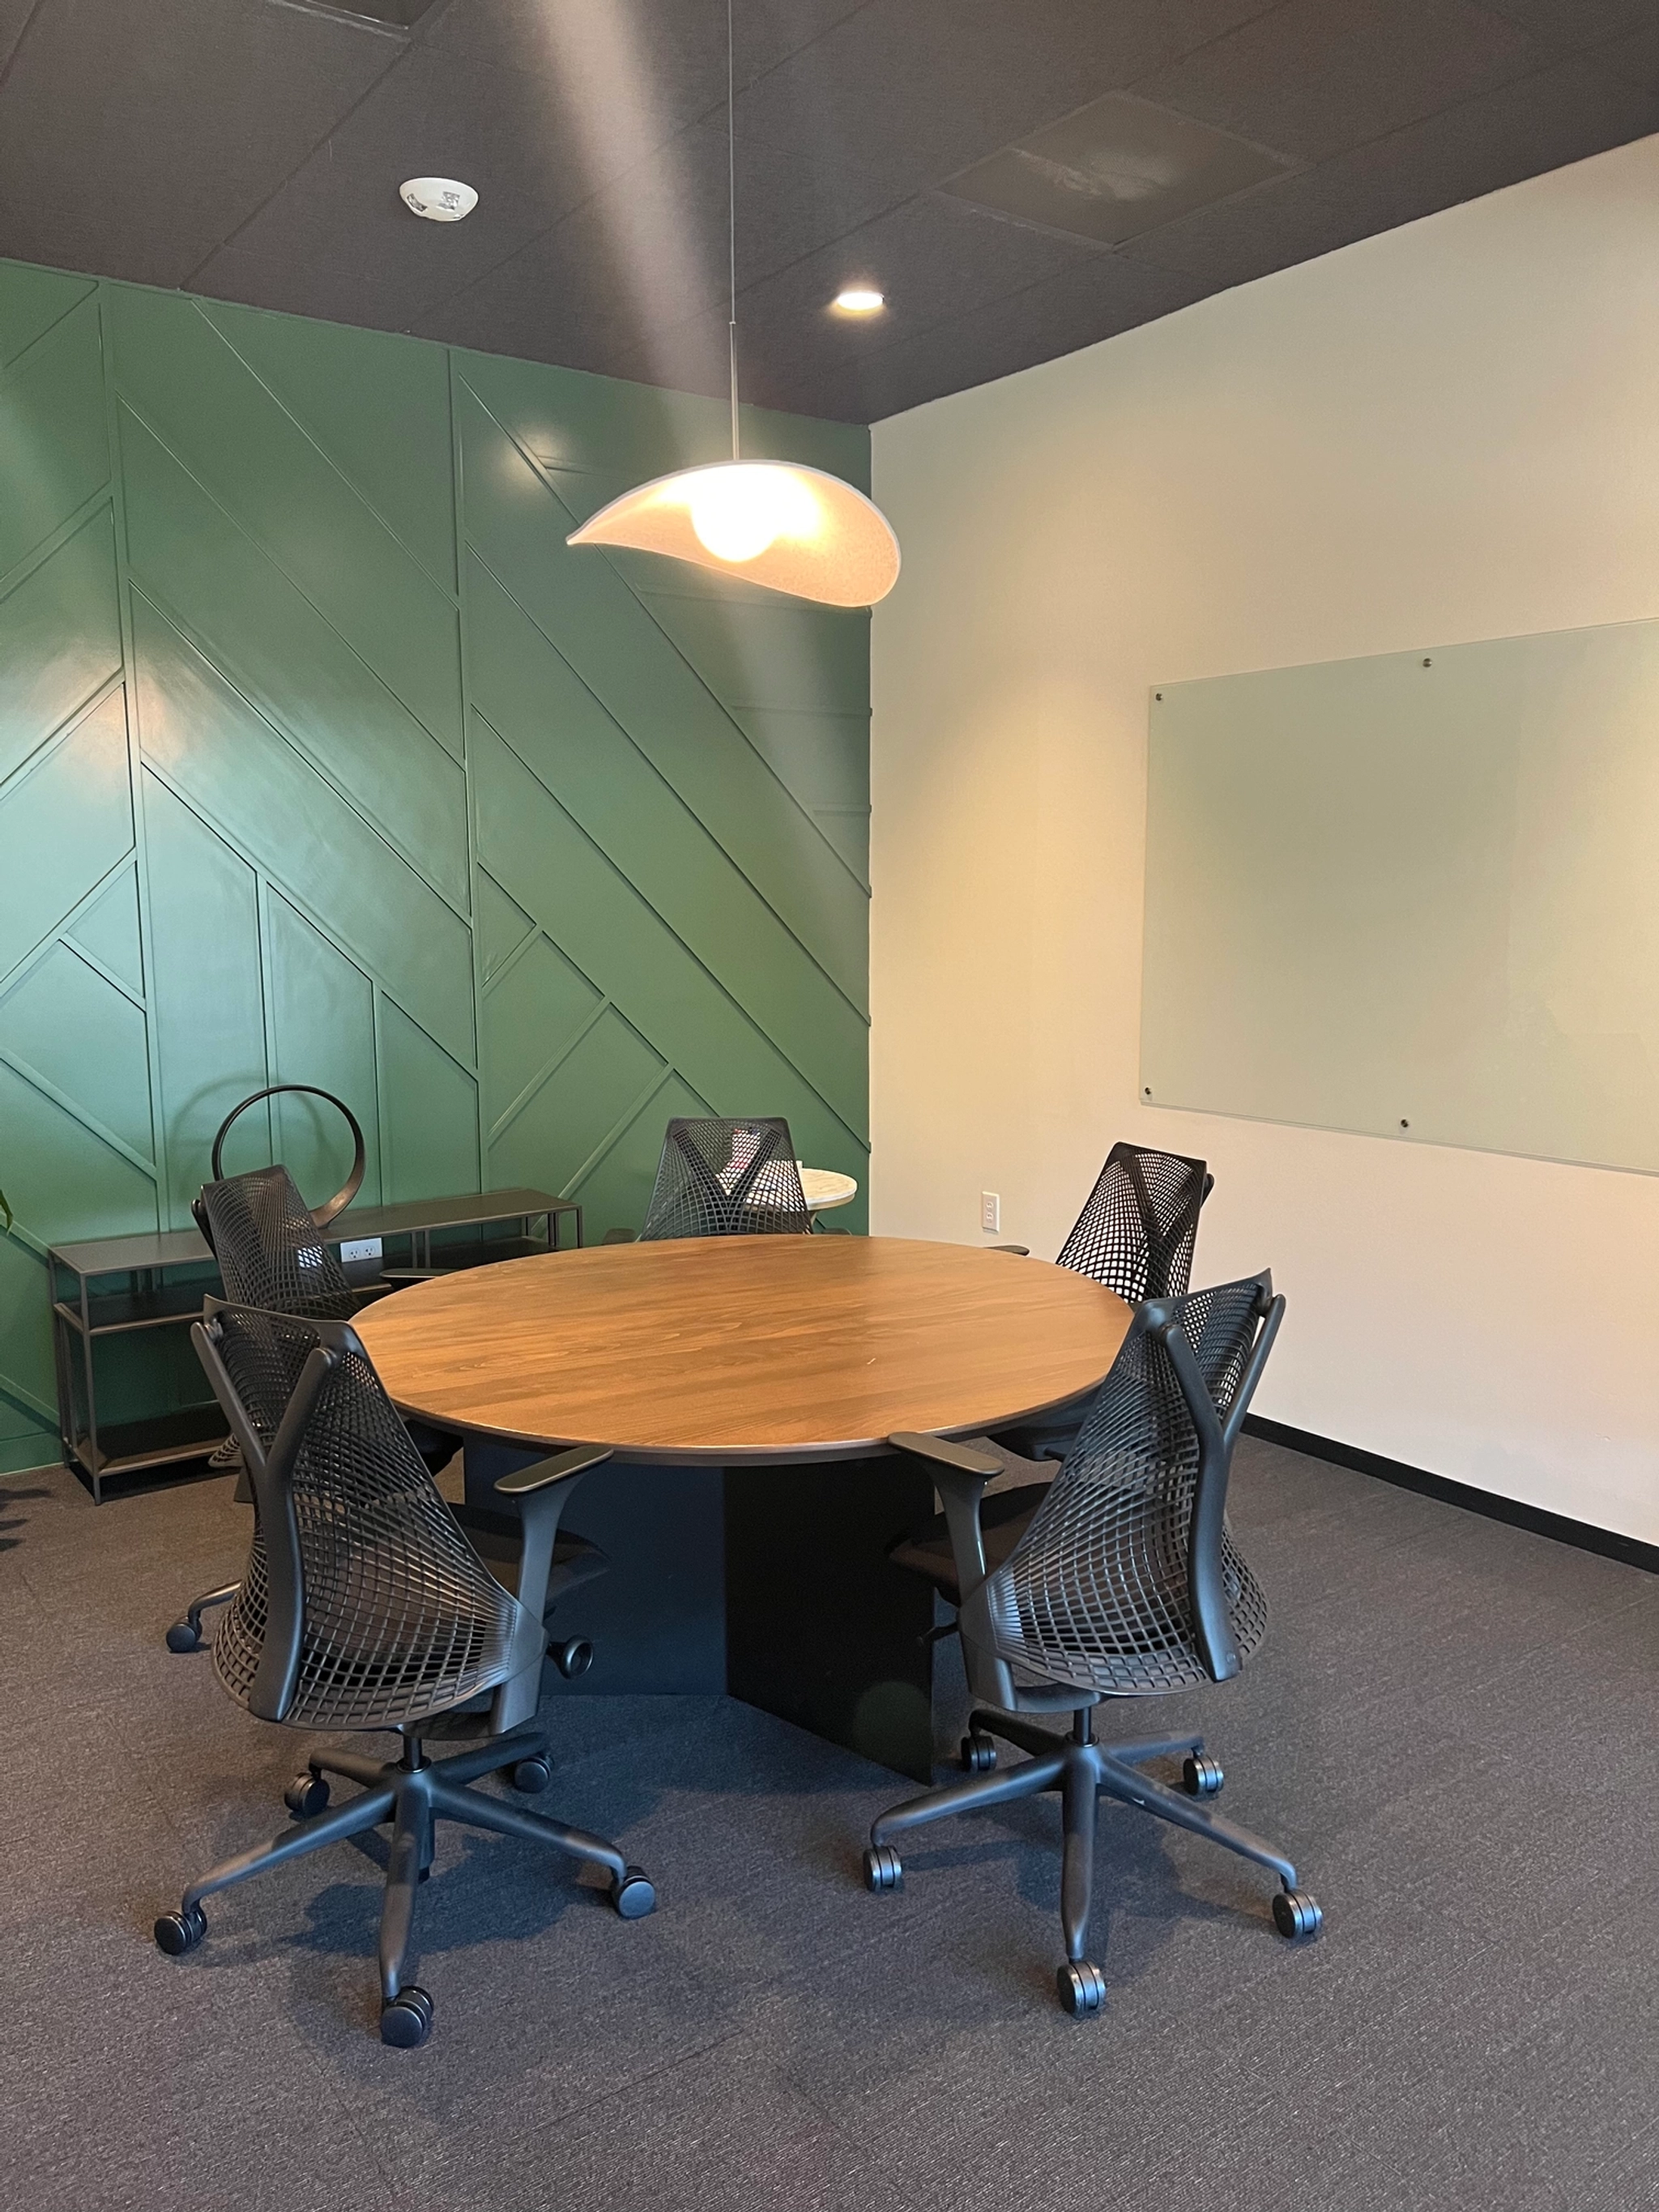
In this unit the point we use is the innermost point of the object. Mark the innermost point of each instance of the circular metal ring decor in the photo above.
(322, 1215)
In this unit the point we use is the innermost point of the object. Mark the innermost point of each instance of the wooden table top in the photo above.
(825, 1188)
(734, 1349)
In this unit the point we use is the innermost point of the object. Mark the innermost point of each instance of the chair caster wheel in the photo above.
(1082, 1989)
(531, 1775)
(633, 1896)
(178, 1932)
(978, 1752)
(1296, 1915)
(1201, 1776)
(181, 1637)
(572, 1658)
(882, 1867)
(406, 2022)
(306, 1796)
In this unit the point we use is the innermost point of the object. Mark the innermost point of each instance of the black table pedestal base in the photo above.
(821, 1628)
(770, 1583)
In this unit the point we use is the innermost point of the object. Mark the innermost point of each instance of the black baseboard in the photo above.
(1629, 1550)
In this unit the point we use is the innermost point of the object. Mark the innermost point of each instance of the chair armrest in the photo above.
(541, 1490)
(1024, 1250)
(960, 1473)
(961, 1458)
(526, 1480)
(410, 1274)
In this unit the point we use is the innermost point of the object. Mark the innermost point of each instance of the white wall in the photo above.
(1450, 432)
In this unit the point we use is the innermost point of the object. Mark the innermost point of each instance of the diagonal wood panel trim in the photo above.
(526, 691)
(517, 523)
(254, 623)
(180, 376)
(52, 429)
(269, 801)
(588, 906)
(288, 787)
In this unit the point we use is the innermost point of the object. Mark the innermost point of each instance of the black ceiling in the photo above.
(252, 149)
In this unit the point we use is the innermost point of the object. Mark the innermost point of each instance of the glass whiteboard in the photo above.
(1415, 895)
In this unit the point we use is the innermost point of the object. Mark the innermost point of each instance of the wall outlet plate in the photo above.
(359, 1248)
(990, 1211)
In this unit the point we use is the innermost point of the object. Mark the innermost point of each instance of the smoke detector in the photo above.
(440, 199)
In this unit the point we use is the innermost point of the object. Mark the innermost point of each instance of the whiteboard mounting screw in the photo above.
(1157, 695)
(1405, 1125)
(1427, 661)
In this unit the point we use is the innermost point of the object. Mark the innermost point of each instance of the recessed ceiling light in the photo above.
(859, 299)
(440, 199)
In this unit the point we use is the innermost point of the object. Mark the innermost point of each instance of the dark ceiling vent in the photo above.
(1117, 167)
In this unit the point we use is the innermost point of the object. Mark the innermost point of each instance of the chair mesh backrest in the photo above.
(1137, 1232)
(727, 1179)
(270, 1251)
(1096, 1592)
(399, 1616)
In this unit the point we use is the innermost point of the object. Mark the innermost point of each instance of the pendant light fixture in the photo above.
(794, 529)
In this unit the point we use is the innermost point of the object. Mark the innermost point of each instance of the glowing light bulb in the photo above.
(859, 299)
(739, 510)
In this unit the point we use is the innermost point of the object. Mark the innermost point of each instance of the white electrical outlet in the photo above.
(990, 1211)
(359, 1248)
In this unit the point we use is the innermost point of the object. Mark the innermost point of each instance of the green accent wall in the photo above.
(323, 759)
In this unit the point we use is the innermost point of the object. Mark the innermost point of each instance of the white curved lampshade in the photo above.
(793, 529)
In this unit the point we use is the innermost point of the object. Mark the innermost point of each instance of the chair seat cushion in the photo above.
(1005, 1515)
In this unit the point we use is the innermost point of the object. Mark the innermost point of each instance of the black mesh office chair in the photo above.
(363, 1605)
(1120, 1580)
(727, 1179)
(272, 1255)
(1136, 1234)
(270, 1247)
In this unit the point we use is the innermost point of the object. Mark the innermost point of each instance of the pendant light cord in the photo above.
(731, 217)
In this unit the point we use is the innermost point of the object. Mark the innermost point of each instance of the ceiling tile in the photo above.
(649, 251)
(1318, 76)
(133, 138)
(933, 258)
(1561, 115)
(432, 115)
(908, 92)
(14, 14)
(1576, 23)
(397, 14)
(1634, 58)
(788, 204)
(590, 287)
(667, 56)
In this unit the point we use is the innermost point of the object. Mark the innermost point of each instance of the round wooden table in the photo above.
(739, 1349)
(747, 1386)
(826, 1188)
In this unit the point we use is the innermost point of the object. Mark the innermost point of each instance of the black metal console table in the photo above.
(113, 1287)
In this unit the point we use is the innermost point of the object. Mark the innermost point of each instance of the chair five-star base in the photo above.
(1081, 1770)
(411, 1794)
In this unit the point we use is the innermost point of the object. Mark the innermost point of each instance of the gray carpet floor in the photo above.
(1451, 1729)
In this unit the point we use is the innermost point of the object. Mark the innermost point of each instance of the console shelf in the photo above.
(110, 1287)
